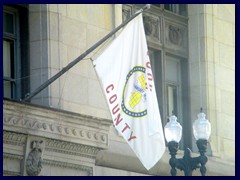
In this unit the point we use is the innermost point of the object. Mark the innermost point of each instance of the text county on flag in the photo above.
(124, 70)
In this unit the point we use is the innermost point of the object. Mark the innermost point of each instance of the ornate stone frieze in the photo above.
(71, 148)
(14, 138)
(175, 35)
(126, 12)
(176, 38)
(11, 173)
(53, 124)
(89, 170)
(12, 156)
(56, 128)
(152, 28)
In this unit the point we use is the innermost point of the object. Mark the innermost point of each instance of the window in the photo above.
(171, 83)
(9, 20)
(180, 9)
(156, 64)
(172, 101)
(15, 52)
(173, 86)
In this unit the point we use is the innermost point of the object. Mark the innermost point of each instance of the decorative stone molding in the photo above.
(152, 28)
(56, 128)
(12, 156)
(176, 38)
(71, 148)
(175, 35)
(34, 159)
(55, 124)
(89, 170)
(14, 138)
(11, 173)
(126, 12)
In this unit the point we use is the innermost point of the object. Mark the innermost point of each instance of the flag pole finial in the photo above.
(147, 6)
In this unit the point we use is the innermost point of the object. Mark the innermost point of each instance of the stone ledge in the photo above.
(89, 170)
(55, 124)
(10, 173)
(69, 148)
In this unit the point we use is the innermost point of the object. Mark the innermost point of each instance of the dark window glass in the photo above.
(15, 52)
(156, 64)
(180, 9)
(8, 55)
(172, 100)
(8, 22)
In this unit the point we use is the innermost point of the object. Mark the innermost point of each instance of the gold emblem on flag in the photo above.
(134, 94)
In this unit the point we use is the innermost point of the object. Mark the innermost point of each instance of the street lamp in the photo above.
(173, 134)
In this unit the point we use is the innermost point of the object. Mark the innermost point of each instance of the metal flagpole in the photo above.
(74, 62)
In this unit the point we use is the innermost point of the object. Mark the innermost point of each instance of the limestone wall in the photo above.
(212, 72)
(58, 35)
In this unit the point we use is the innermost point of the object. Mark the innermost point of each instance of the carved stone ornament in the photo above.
(126, 13)
(88, 130)
(34, 159)
(151, 27)
(175, 35)
(65, 130)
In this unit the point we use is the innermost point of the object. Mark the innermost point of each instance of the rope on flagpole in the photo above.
(74, 62)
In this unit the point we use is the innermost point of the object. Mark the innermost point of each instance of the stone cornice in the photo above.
(71, 148)
(11, 173)
(14, 139)
(54, 124)
(12, 156)
(69, 165)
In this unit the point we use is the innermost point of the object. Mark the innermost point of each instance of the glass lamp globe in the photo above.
(173, 130)
(201, 127)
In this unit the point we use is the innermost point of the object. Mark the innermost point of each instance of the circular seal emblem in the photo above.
(134, 93)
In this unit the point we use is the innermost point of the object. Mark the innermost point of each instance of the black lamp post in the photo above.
(173, 134)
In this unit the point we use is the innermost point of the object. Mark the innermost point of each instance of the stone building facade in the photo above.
(67, 130)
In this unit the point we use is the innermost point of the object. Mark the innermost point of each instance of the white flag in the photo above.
(125, 73)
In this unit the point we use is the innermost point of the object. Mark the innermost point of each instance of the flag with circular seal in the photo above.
(124, 70)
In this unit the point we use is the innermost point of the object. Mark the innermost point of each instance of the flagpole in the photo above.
(74, 62)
